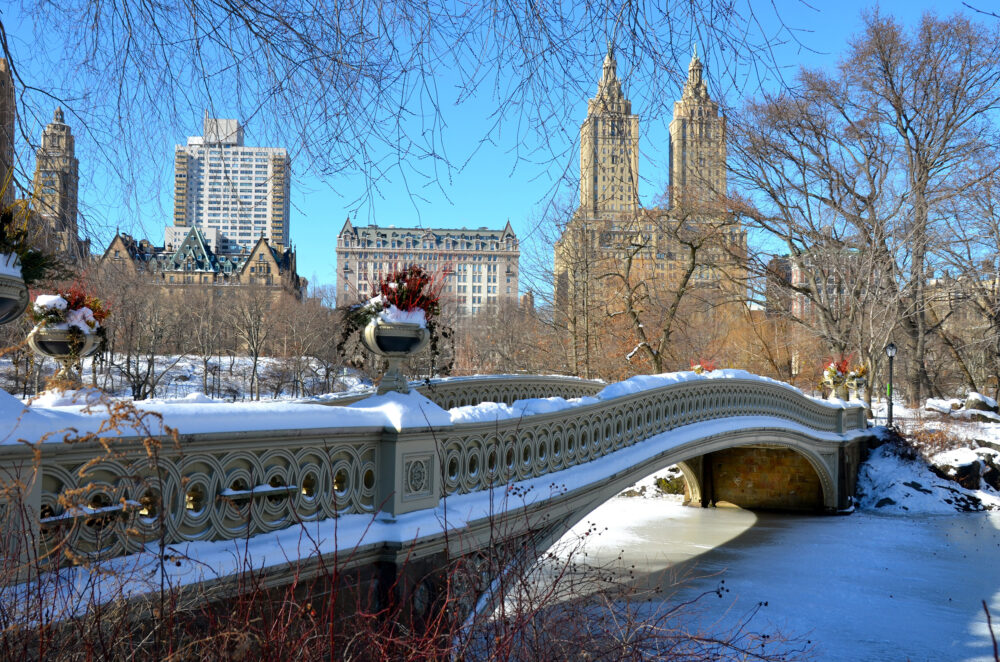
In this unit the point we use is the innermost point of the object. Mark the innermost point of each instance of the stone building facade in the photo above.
(609, 149)
(8, 113)
(697, 144)
(611, 236)
(478, 268)
(194, 263)
(240, 191)
(55, 191)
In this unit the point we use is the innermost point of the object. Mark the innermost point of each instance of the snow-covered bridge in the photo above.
(394, 476)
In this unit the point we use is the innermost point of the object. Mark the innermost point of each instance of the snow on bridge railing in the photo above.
(449, 392)
(242, 469)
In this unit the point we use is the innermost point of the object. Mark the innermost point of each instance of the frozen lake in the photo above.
(859, 587)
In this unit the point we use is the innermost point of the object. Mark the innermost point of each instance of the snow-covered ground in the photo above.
(228, 377)
(867, 586)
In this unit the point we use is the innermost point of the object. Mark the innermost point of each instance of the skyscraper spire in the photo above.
(610, 88)
(609, 139)
(697, 142)
(695, 85)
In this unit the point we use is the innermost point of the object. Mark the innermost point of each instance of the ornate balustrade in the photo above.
(237, 484)
(207, 487)
(463, 391)
(476, 456)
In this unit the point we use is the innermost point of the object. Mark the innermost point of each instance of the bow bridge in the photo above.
(414, 477)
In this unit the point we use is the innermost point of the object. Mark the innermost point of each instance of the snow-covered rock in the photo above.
(942, 406)
(980, 402)
(889, 483)
(976, 415)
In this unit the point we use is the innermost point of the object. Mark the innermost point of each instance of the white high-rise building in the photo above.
(221, 184)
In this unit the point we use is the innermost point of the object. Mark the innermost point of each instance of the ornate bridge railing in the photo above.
(97, 501)
(476, 456)
(464, 391)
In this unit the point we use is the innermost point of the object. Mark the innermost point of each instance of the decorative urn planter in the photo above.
(857, 386)
(395, 341)
(839, 386)
(13, 291)
(66, 347)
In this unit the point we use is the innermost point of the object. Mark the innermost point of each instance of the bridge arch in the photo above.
(585, 499)
(598, 439)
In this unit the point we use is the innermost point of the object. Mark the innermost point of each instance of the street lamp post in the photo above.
(890, 351)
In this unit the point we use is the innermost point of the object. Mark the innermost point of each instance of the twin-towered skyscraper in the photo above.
(613, 248)
(609, 146)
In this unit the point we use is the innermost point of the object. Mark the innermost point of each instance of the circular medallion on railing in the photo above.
(541, 454)
(272, 509)
(201, 480)
(509, 461)
(312, 476)
(343, 486)
(232, 510)
(618, 421)
(556, 446)
(102, 511)
(607, 435)
(416, 477)
(473, 468)
(492, 465)
(527, 453)
(629, 419)
(583, 448)
(155, 484)
(366, 495)
(570, 435)
(453, 462)
(55, 530)
(346, 487)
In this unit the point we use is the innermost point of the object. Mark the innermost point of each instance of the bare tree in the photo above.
(359, 88)
(855, 170)
(248, 313)
(145, 327)
(205, 332)
(964, 306)
(935, 91)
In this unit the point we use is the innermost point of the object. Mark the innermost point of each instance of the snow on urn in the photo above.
(67, 329)
(395, 323)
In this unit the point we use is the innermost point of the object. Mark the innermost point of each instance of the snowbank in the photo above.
(48, 417)
(888, 483)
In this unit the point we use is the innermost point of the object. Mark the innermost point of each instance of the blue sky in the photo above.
(488, 184)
